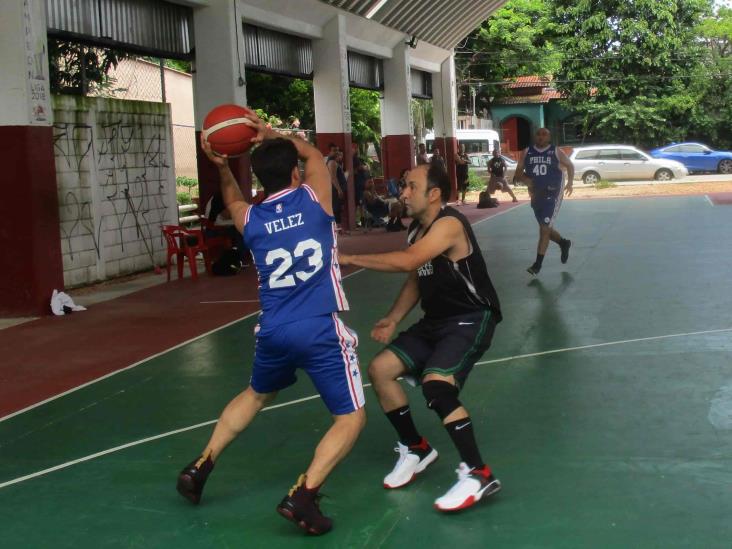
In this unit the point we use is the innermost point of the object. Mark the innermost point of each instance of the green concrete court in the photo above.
(627, 444)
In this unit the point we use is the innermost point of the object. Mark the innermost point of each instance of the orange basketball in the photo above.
(225, 129)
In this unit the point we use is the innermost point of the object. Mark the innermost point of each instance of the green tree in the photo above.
(365, 117)
(78, 69)
(629, 66)
(513, 42)
(282, 96)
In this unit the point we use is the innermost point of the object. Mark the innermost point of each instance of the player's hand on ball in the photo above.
(256, 123)
(220, 160)
(383, 330)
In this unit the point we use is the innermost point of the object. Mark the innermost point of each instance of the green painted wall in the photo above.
(532, 112)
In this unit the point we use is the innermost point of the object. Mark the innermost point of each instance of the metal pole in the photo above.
(162, 79)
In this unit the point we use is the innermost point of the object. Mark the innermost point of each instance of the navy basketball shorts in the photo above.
(448, 346)
(546, 203)
(323, 347)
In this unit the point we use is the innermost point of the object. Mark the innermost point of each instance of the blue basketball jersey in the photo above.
(543, 168)
(293, 243)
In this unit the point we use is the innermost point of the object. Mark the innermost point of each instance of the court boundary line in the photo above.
(711, 202)
(156, 355)
(605, 344)
(159, 436)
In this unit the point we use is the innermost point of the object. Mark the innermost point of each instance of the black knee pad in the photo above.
(442, 397)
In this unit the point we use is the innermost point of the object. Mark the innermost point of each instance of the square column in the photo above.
(30, 235)
(332, 104)
(444, 100)
(397, 149)
(218, 79)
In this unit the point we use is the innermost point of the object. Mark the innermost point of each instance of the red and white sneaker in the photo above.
(412, 461)
(472, 485)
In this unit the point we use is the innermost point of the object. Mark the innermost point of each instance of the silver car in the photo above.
(621, 163)
(479, 164)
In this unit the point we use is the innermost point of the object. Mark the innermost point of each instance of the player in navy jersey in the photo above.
(448, 276)
(291, 235)
(540, 166)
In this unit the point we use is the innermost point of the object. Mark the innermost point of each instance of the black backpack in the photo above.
(228, 264)
(487, 201)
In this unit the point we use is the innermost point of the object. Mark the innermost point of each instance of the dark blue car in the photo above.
(696, 157)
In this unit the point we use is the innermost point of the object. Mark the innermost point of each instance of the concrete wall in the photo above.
(115, 184)
(532, 112)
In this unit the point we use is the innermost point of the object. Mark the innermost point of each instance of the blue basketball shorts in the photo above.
(323, 347)
(546, 203)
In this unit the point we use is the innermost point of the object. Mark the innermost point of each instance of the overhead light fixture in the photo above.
(376, 7)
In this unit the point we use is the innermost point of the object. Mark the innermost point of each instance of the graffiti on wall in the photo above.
(114, 178)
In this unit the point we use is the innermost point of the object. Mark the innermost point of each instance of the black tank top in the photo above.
(450, 288)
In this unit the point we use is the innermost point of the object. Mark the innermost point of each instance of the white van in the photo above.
(475, 141)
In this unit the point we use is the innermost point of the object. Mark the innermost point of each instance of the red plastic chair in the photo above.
(180, 245)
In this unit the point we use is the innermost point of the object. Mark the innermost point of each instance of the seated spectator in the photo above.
(380, 207)
(218, 214)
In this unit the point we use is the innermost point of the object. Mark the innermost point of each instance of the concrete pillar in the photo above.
(332, 107)
(444, 99)
(30, 239)
(218, 79)
(397, 147)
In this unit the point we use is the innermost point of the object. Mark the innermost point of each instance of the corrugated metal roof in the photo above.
(155, 28)
(442, 23)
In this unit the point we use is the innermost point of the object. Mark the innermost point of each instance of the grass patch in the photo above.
(605, 184)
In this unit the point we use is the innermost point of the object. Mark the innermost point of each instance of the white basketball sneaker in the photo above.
(472, 485)
(412, 461)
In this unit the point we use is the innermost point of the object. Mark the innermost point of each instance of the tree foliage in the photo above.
(78, 69)
(513, 42)
(629, 66)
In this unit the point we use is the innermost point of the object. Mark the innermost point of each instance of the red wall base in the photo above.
(30, 236)
(448, 148)
(343, 141)
(208, 175)
(397, 153)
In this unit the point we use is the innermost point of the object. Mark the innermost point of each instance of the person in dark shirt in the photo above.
(497, 178)
(462, 165)
(448, 275)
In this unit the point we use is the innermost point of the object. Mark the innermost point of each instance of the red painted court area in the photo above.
(51, 355)
(721, 199)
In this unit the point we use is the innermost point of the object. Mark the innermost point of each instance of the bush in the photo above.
(188, 182)
(604, 184)
(475, 182)
(183, 198)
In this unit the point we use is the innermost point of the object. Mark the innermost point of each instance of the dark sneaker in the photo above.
(412, 461)
(565, 245)
(302, 506)
(472, 485)
(534, 269)
(192, 478)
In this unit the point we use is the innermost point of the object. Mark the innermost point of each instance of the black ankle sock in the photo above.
(462, 435)
(401, 419)
(539, 260)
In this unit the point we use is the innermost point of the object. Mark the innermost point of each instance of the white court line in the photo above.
(709, 200)
(312, 397)
(151, 357)
(234, 301)
(606, 344)
(500, 213)
(74, 389)
(141, 441)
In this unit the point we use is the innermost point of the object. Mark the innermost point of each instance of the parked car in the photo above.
(479, 164)
(696, 157)
(622, 162)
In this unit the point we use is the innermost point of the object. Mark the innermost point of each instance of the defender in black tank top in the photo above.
(449, 288)
(448, 275)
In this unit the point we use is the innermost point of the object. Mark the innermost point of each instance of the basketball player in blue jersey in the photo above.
(291, 235)
(448, 276)
(540, 166)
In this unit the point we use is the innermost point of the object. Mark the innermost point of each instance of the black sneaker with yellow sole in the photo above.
(302, 506)
(192, 478)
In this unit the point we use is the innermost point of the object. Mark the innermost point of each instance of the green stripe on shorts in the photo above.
(473, 348)
(404, 357)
